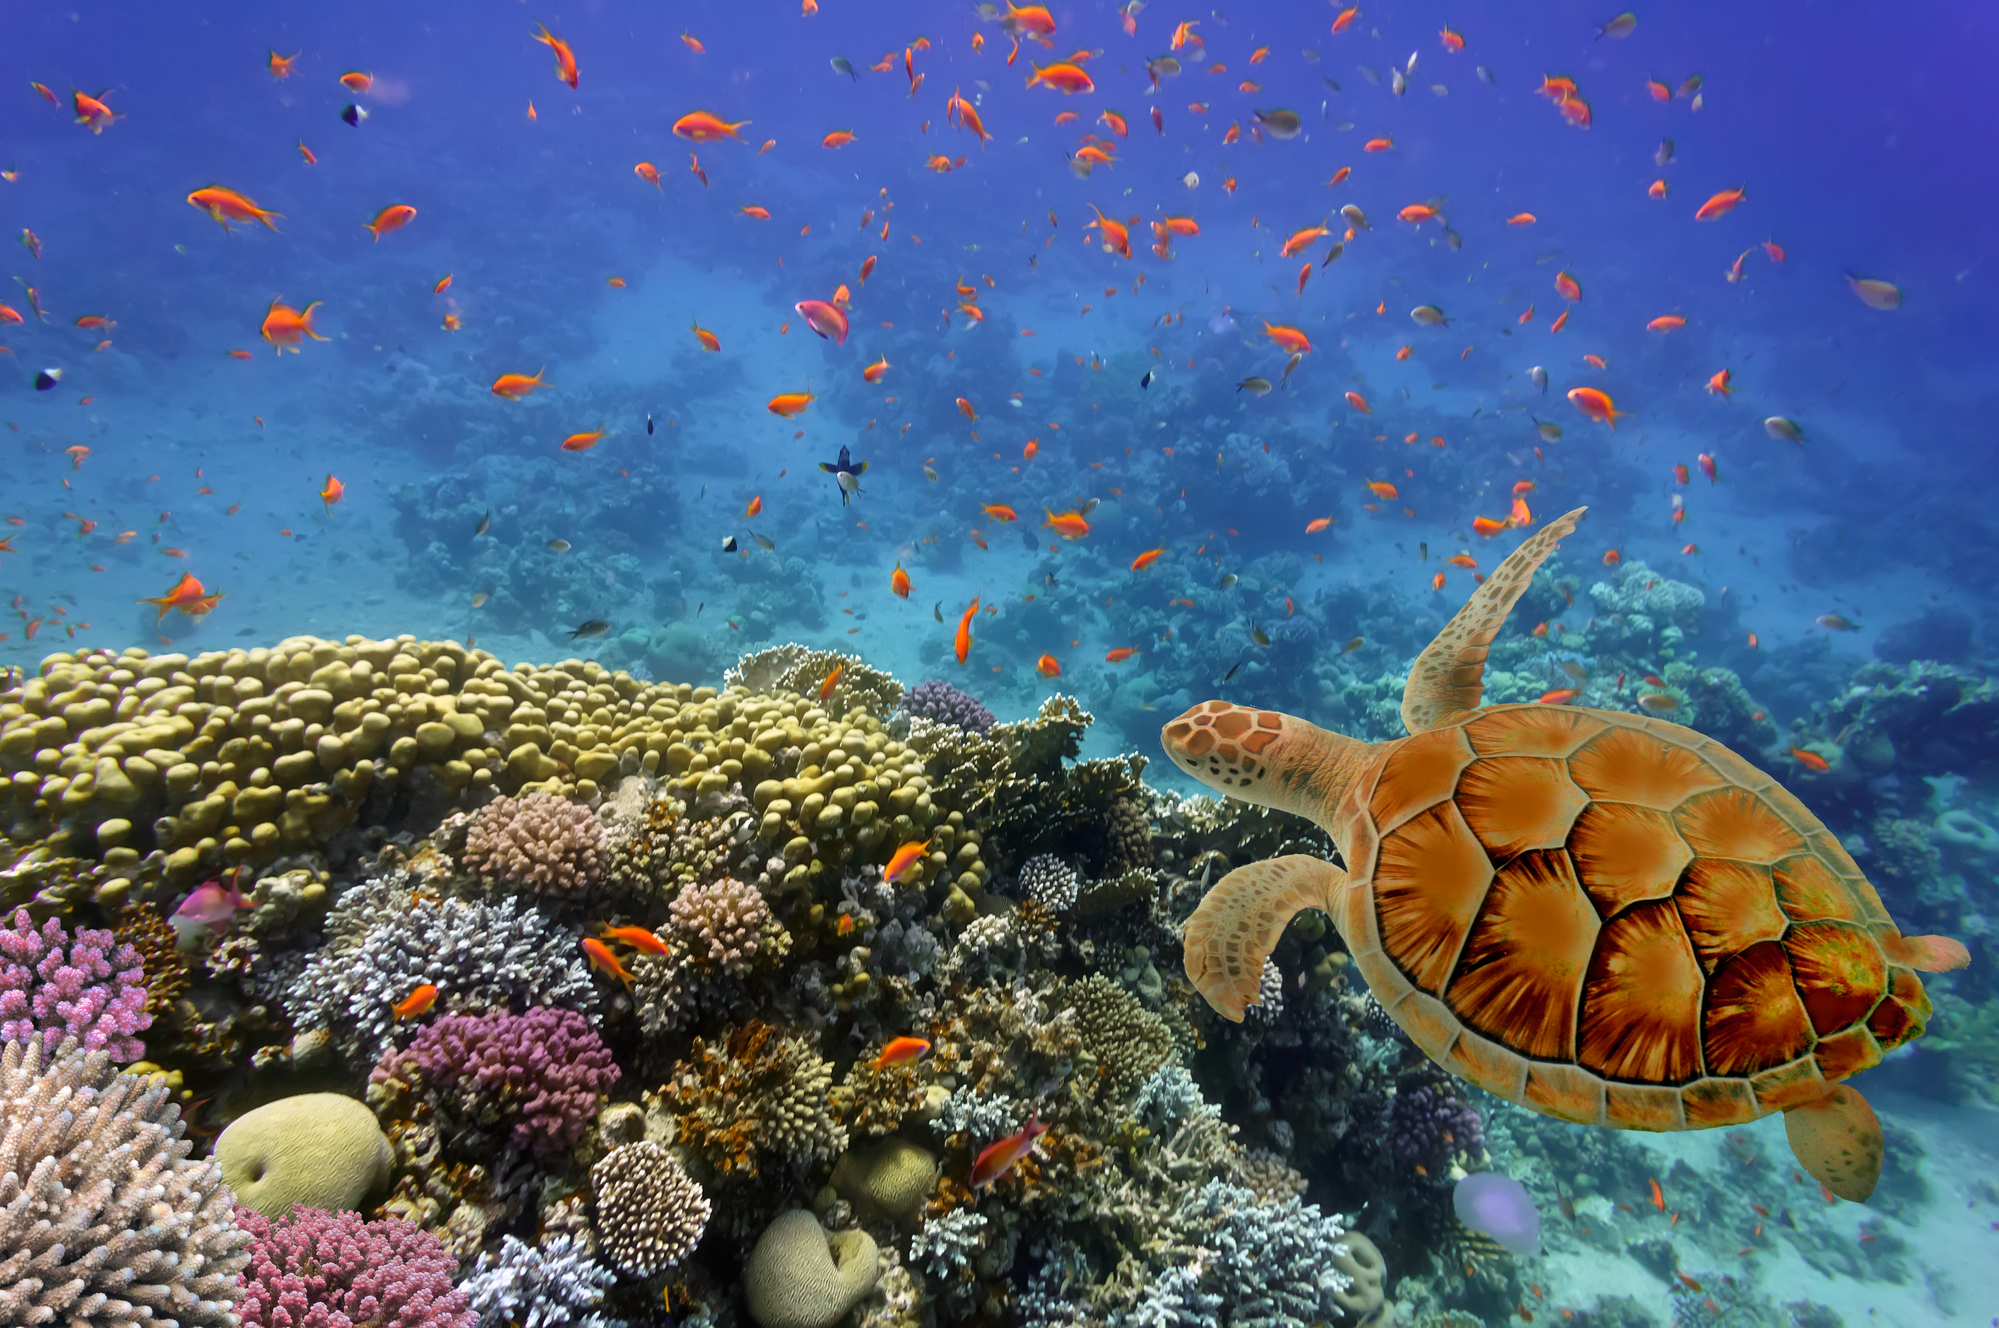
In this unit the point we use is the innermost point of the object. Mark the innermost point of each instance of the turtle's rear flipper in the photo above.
(1838, 1140)
(1926, 954)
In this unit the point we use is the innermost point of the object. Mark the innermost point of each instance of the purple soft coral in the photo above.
(1432, 1126)
(59, 986)
(316, 1269)
(940, 701)
(544, 1071)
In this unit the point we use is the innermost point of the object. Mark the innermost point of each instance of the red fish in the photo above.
(701, 127)
(1725, 201)
(961, 642)
(828, 320)
(565, 59)
(900, 1051)
(391, 218)
(638, 938)
(996, 1159)
(603, 960)
(418, 1002)
(285, 327)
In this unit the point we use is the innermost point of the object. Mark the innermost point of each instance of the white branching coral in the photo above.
(650, 1212)
(104, 1222)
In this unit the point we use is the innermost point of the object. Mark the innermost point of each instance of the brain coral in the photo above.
(104, 1222)
(545, 843)
(650, 1212)
(87, 987)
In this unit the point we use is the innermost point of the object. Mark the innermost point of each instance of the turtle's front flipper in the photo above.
(1838, 1140)
(1448, 678)
(1238, 922)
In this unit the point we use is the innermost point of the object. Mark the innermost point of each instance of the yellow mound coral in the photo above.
(170, 766)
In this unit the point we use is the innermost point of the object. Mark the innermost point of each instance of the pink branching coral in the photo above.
(722, 923)
(316, 1269)
(85, 986)
(548, 844)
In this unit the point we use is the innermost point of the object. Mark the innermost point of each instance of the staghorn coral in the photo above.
(104, 1222)
(941, 703)
(544, 843)
(753, 1098)
(554, 1285)
(88, 987)
(315, 1269)
(480, 954)
(540, 1076)
(722, 923)
(650, 1212)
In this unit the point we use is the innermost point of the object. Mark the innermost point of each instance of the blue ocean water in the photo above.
(1858, 138)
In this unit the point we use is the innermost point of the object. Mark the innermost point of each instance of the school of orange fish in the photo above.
(287, 328)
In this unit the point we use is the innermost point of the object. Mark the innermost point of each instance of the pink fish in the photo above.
(211, 903)
(999, 1158)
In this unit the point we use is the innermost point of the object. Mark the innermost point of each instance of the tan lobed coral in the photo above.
(722, 923)
(169, 767)
(650, 1212)
(547, 844)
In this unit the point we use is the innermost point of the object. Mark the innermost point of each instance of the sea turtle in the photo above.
(1603, 916)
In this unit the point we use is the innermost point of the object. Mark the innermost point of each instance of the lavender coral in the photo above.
(316, 1269)
(104, 1222)
(722, 923)
(541, 1075)
(547, 844)
(941, 703)
(87, 986)
(1432, 1125)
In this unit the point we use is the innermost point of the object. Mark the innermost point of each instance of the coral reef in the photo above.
(338, 1270)
(87, 987)
(802, 1276)
(941, 703)
(793, 668)
(650, 1212)
(753, 1098)
(321, 1150)
(537, 1078)
(554, 1285)
(537, 842)
(104, 1222)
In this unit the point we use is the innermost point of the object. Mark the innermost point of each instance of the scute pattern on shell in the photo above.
(1616, 920)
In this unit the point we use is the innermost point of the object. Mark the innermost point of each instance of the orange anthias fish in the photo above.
(1719, 384)
(331, 492)
(354, 80)
(638, 938)
(1304, 239)
(1048, 666)
(900, 1051)
(790, 404)
(515, 386)
(226, 205)
(604, 961)
(828, 320)
(648, 172)
(1485, 527)
(1069, 525)
(1063, 77)
(701, 127)
(285, 327)
(92, 113)
(583, 442)
(1561, 696)
(999, 512)
(898, 582)
(961, 641)
(962, 113)
(281, 65)
(1287, 338)
(905, 858)
(832, 681)
(1810, 760)
(190, 597)
(996, 1159)
(709, 341)
(391, 218)
(1725, 201)
(1568, 287)
(1120, 655)
(1382, 489)
(1359, 403)
(1658, 1196)
(1117, 236)
(1666, 323)
(1596, 404)
(873, 373)
(565, 59)
(1146, 559)
(418, 1002)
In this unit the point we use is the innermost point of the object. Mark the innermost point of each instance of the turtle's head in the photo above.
(1264, 757)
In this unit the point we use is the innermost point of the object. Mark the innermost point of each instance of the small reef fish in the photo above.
(701, 127)
(1810, 760)
(565, 59)
(331, 492)
(1596, 404)
(832, 681)
(583, 442)
(638, 938)
(900, 1051)
(998, 1158)
(1069, 525)
(1834, 622)
(593, 627)
(515, 386)
(846, 472)
(418, 1002)
(391, 218)
(1146, 559)
(189, 596)
(211, 903)
(286, 328)
(961, 641)
(898, 582)
(790, 405)
(905, 858)
(226, 205)
(604, 961)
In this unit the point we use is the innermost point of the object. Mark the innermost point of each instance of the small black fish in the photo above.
(728, 544)
(1423, 550)
(648, 422)
(1048, 579)
(842, 65)
(353, 114)
(846, 472)
(485, 524)
(1147, 380)
(1258, 635)
(1034, 260)
(937, 610)
(47, 378)
(1232, 668)
(698, 607)
(594, 627)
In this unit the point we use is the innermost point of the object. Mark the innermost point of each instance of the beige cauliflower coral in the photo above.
(547, 844)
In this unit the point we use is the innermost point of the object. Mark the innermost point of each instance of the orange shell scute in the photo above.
(1422, 772)
(1643, 1107)
(1520, 978)
(1627, 854)
(1903, 1014)
(1632, 765)
(1840, 970)
(1643, 993)
(1789, 1085)
(1539, 731)
(1728, 907)
(1754, 1019)
(1517, 803)
(1847, 1053)
(1735, 823)
(1430, 880)
(1712, 1102)
(1808, 891)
